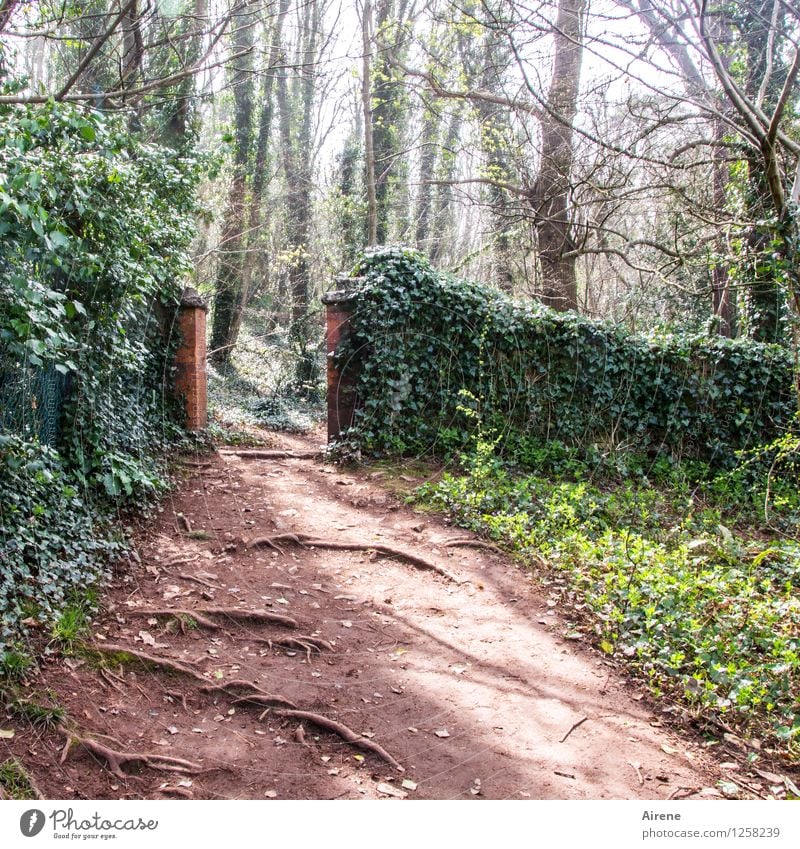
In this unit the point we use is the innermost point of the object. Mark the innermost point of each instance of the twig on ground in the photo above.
(682, 793)
(197, 580)
(574, 726)
(473, 543)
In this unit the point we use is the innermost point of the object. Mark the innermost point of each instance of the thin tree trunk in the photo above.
(254, 217)
(722, 299)
(427, 165)
(132, 57)
(369, 150)
(297, 162)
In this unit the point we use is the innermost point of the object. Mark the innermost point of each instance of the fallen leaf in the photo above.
(668, 749)
(388, 790)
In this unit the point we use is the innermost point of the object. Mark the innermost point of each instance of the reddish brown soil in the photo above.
(471, 686)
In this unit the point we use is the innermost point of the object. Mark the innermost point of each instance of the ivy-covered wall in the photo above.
(439, 358)
(94, 231)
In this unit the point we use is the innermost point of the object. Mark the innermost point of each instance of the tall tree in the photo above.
(550, 196)
(296, 110)
(233, 241)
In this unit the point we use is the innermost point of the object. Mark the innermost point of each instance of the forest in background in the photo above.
(632, 159)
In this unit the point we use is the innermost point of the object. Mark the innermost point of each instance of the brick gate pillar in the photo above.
(191, 377)
(341, 382)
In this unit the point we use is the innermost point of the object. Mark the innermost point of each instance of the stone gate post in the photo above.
(191, 377)
(341, 382)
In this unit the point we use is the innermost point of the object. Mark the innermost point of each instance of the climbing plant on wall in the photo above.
(439, 359)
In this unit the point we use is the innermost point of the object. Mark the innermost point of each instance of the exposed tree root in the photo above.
(181, 616)
(117, 759)
(473, 543)
(347, 734)
(272, 454)
(201, 581)
(181, 697)
(252, 695)
(385, 550)
(239, 615)
(201, 615)
(108, 677)
(149, 659)
(301, 641)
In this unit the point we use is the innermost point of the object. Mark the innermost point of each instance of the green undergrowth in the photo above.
(689, 582)
(15, 782)
(95, 225)
(39, 710)
(257, 388)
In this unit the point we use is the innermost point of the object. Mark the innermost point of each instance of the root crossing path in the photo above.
(294, 631)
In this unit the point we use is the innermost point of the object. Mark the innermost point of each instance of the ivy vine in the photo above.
(438, 360)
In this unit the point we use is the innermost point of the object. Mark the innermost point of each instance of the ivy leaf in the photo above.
(59, 239)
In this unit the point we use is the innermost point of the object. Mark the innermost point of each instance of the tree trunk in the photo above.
(550, 196)
(229, 278)
(369, 148)
(177, 125)
(722, 297)
(253, 215)
(297, 169)
(496, 138)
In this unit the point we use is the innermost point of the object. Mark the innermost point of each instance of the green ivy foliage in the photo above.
(94, 231)
(439, 360)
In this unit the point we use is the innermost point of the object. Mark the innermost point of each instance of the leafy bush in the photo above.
(94, 230)
(438, 358)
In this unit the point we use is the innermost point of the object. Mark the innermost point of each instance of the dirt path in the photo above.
(467, 683)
